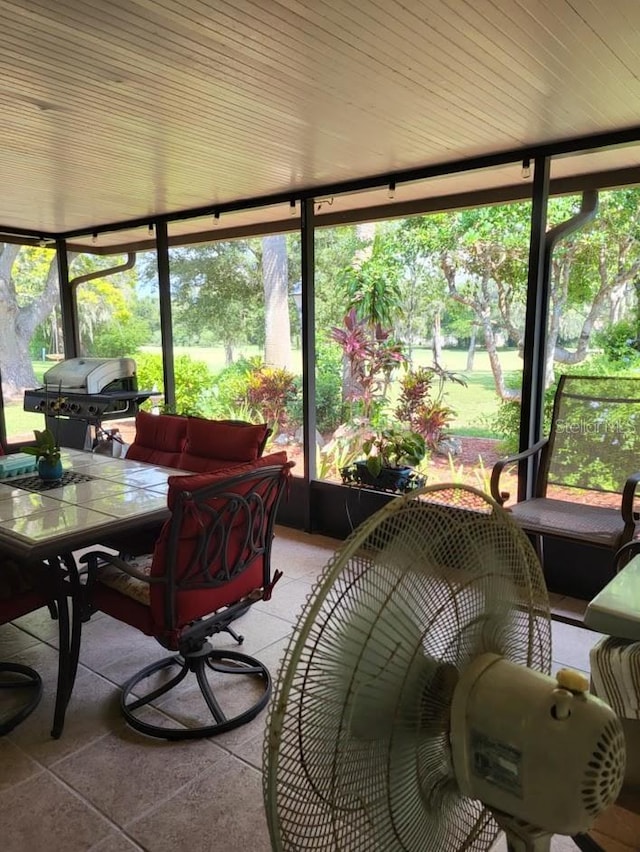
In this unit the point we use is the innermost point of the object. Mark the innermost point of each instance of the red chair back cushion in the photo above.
(19, 590)
(197, 602)
(212, 444)
(159, 439)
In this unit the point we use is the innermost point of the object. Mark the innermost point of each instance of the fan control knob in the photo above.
(572, 680)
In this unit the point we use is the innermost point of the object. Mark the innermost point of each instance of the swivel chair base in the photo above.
(27, 679)
(226, 663)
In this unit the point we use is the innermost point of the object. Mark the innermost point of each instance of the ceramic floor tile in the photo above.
(13, 641)
(55, 819)
(220, 811)
(298, 554)
(250, 750)
(287, 600)
(16, 765)
(40, 624)
(125, 773)
(260, 627)
(558, 844)
(116, 650)
(570, 645)
(567, 609)
(235, 693)
(235, 739)
(116, 842)
(92, 712)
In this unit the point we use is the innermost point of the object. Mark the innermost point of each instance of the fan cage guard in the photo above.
(357, 753)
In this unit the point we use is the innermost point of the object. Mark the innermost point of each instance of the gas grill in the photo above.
(82, 392)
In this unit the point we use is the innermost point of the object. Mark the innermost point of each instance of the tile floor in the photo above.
(104, 787)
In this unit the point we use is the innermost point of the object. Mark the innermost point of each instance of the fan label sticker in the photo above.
(497, 762)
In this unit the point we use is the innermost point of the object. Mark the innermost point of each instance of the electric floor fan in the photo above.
(414, 710)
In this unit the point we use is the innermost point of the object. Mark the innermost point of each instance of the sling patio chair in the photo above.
(587, 468)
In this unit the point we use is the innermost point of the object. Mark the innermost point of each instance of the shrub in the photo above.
(372, 356)
(328, 395)
(619, 343)
(229, 391)
(118, 338)
(269, 391)
(506, 420)
(193, 381)
(422, 405)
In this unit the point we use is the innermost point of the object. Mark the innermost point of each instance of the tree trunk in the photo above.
(436, 342)
(17, 324)
(277, 348)
(471, 351)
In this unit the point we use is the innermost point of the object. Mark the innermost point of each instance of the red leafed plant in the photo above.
(422, 403)
(269, 389)
(371, 356)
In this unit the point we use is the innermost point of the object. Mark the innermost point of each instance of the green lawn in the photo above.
(476, 402)
(20, 423)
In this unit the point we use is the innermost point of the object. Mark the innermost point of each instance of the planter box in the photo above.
(397, 480)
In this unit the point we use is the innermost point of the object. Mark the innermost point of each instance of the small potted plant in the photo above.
(391, 455)
(47, 452)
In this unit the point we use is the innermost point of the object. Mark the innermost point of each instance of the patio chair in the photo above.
(593, 448)
(23, 589)
(211, 563)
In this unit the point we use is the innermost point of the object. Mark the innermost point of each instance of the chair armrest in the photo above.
(628, 496)
(93, 557)
(501, 497)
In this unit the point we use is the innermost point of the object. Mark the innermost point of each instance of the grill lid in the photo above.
(88, 375)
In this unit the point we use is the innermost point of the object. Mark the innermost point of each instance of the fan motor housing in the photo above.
(531, 749)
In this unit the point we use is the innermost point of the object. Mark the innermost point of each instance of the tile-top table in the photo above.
(98, 496)
(108, 496)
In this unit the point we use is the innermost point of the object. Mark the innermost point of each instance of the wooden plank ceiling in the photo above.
(121, 110)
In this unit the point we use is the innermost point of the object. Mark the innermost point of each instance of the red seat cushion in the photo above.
(159, 439)
(212, 444)
(20, 589)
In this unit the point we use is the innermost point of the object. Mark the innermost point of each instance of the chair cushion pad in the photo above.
(132, 587)
(596, 524)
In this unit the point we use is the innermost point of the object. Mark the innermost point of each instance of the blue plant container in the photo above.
(50, 471)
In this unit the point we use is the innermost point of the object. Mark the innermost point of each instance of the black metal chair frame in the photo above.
(221, 509)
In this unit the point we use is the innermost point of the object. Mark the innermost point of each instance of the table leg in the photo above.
(69, 586)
